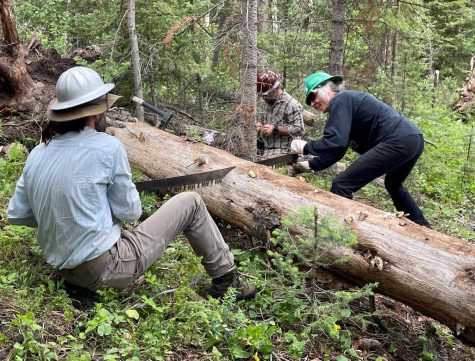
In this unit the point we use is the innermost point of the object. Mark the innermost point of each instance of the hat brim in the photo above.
(80, 111)
(68, 104)
(336, 78)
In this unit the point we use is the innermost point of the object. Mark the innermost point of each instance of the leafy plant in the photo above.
(306, 237)
(253, 341)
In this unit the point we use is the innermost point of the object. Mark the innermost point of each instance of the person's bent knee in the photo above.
(392, 187)
(339, 189)
(189, 197)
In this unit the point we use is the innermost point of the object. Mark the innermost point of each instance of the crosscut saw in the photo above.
(192, 181)
(182, 183)
(281, 160)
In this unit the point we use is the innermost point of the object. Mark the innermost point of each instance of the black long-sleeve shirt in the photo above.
(358, 121)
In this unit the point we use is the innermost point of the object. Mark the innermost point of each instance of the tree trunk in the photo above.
(263, 23)
(16, 85)
(337, 43)
(10, 35)
(247, 109)
(220, 32)
(274, 18)
(153, 91)
(385, 50)
(429, 271)
(134, 46)
(395, 44)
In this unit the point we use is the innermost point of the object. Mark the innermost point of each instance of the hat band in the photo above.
(96, 101)
(83, 110)
(274, 87)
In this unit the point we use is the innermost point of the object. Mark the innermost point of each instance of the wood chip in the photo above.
(349, 219)
(378, 262)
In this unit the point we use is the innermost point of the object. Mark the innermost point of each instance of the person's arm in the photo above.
(335, 141)
(261, 116)
(19, 211)
(294, 121)
(123, 197)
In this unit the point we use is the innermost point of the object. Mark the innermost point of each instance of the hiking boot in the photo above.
(220, 285)
(82, 299)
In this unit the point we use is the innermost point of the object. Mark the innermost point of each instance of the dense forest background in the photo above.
(416, 55)
(401, 51)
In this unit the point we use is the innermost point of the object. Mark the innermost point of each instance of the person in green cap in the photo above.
(388, 142)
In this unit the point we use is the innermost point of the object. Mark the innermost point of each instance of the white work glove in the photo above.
(297, 145)
(299, 167)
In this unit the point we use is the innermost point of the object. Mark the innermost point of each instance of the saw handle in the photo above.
(295, 158)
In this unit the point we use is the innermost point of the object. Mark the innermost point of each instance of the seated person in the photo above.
(77, 187)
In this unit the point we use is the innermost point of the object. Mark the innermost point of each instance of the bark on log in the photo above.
(432, 272)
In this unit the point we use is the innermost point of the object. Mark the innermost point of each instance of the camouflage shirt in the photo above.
(286, 111)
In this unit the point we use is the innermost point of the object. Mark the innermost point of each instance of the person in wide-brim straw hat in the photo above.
(77, 188)
(388, 143)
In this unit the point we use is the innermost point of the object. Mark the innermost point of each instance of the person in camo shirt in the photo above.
(280, 119)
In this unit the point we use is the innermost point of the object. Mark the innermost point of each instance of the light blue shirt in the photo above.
(75, 190)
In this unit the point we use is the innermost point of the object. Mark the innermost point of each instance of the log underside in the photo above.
(432, 272)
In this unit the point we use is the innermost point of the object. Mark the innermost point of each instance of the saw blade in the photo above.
(280, 160)
(181, 183)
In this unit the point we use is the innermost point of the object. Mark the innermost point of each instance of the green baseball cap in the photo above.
(315, 79)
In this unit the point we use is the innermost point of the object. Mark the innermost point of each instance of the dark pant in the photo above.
(394, 158)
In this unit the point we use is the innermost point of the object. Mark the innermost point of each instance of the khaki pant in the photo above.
(136, 250)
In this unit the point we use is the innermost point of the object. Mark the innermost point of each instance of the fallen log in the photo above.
(432, 272)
